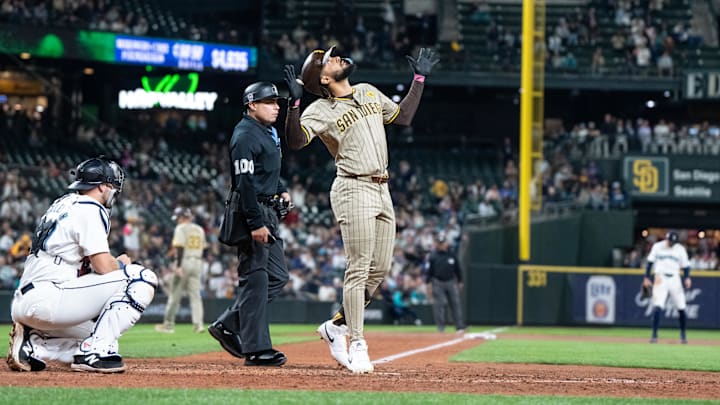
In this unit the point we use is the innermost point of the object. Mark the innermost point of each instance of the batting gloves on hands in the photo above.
(294, 85)
(425, 61)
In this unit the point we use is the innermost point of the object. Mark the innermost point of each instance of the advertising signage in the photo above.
(183, 54)
(676, 178)
(116, 48)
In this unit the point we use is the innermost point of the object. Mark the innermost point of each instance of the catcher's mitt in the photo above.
(645, 291)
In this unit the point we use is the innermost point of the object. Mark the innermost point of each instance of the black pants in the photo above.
(262, 275)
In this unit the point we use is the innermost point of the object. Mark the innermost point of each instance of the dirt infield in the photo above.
(310, 368)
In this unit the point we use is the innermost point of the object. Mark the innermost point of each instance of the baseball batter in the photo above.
(188, 244)
(75, 299)
(666, 259)
(350, 122)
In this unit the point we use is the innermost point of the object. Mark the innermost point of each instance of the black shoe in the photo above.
(94, 363)
(20, 353)
(228, 340)
(268, 358)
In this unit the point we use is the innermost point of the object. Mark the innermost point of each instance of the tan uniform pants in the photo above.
(188, 284)
(366, 217)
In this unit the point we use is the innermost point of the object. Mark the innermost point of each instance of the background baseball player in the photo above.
(188, 244)
(75, 299)
(350, 121)
(666, 258)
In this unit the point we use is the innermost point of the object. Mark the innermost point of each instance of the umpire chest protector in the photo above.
(255, 150)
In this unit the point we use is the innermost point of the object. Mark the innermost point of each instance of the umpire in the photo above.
(444, 280)
(243, 329)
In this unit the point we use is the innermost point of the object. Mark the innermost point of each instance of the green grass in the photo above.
(259, 397)
(644, 333)
(640, 355)
(143, 341)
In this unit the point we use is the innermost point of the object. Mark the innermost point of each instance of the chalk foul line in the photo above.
(490, 335)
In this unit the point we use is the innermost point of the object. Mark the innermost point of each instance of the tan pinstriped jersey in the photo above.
(353, 129)
(190, 237)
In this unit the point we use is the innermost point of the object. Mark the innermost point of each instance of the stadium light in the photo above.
(650, 104)
(396, 98)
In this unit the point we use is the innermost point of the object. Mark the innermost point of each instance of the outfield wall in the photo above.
(507, 295)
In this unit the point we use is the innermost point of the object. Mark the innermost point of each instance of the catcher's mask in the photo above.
(96, 171)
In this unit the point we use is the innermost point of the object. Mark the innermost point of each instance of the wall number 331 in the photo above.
(536, 278)
(244, 166)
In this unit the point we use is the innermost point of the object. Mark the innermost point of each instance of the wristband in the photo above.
(121, 264)
(419, 78)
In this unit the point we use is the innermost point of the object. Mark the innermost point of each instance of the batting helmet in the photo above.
(311, 68)
(93, 172)
(672, 237)
(259, 91)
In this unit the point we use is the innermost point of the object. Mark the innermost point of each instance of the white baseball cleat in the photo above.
(336, 338)
(358, 359)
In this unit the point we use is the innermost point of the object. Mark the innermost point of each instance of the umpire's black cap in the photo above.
(260, 91)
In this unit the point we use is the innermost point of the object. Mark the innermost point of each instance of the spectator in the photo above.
(598, 62)
(665, 64)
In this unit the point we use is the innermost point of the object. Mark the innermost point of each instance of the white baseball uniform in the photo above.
(70, 309)
(668, 261)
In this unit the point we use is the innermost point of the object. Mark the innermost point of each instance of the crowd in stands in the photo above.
(122, 17)
(703, 249)
(616, 136)
(642, 39)
(379, 39)
(425, 205)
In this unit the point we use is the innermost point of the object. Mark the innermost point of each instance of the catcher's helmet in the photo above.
(672, 237)
(311, 68)
(93, 172)
(259, 91)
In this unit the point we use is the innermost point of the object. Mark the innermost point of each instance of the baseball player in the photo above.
(350, 122)
(666, 259)
(188, 244)
(75, 299)
(243, 329)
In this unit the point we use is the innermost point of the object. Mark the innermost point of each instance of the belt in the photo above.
(371, 179)
(668, 274)
(26, 288)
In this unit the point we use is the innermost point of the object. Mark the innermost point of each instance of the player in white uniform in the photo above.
(668, 257)
(75, 299)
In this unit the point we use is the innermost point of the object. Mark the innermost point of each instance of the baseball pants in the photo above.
(189, 284)
(668, 285)
(262, 275)
(444, 293)
(366, 217)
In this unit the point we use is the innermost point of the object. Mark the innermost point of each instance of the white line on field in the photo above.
(489, 335)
